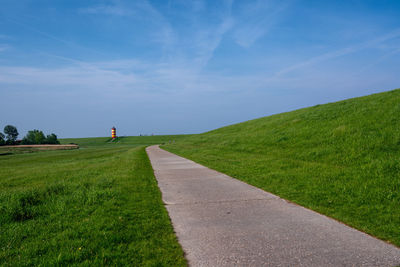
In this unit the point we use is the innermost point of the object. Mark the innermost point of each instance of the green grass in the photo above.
(11, 150)
(99, 205)
(341, 159)
(128, 140)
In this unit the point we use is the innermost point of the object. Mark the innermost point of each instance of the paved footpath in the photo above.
(221, 221)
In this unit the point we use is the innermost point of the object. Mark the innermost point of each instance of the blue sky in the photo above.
(77, 68)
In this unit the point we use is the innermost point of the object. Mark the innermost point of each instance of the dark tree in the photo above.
(11, 134)
(2, 141)
(52, 139)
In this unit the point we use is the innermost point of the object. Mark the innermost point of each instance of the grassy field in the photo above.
(341, 159)
(99, 205)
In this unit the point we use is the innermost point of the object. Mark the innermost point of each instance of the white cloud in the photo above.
(4, 47)
(114, 10)
(198, 5)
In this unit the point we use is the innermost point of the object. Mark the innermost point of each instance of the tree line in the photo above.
(34, 137)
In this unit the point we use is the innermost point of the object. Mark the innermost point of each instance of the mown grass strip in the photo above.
(99, 206)
(340, 159)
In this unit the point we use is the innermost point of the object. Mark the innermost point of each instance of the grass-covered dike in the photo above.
(99, 205)
(341, 159)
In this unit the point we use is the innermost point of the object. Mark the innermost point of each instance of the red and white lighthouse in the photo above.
(113, 132)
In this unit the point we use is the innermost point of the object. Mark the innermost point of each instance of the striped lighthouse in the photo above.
(113, 132)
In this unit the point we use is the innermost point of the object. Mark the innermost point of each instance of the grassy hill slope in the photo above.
(341, 159)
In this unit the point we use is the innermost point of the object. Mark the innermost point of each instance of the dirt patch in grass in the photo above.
(18, 149)
(44, 147)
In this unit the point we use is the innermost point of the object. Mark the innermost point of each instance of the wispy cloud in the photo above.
(33, 29)
(164, 33)
(4, 47)
(52, 37)
(77, 76)
(379, 60)
(198, 5)
(115, 10)
(256, 19)
(204, 37)
(207, 41)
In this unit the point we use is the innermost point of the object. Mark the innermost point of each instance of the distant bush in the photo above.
(36, 137)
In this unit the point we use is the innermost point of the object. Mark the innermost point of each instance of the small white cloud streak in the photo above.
(257, 19)
(208, 41)
(198, 5)
(32, 29)
(207, 37)
(340, 52)
(4, 47)
(164, 34)
(52, 37)
(379, 60)
(114, 10)
(77, 76)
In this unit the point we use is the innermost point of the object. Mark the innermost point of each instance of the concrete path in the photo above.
(221, 221)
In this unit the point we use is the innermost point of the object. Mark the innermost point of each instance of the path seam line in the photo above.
(222, 201)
